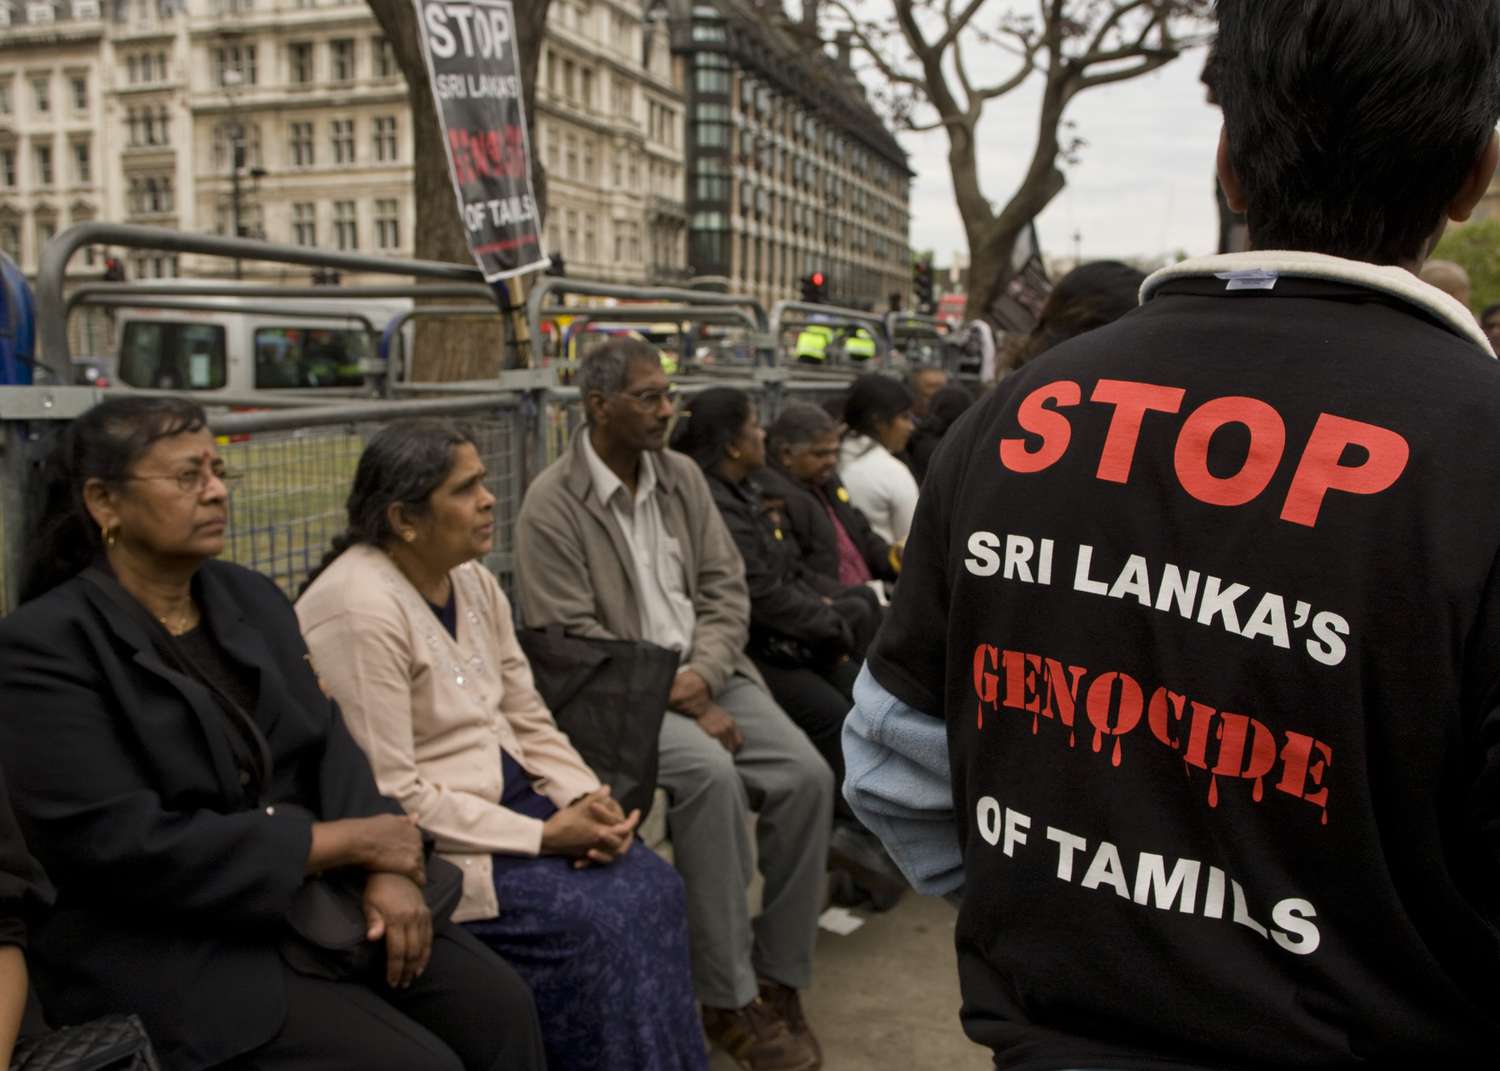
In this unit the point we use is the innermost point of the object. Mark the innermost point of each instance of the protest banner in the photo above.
(470, 47)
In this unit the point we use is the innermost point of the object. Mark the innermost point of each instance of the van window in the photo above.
(169, 355)
(309, 357)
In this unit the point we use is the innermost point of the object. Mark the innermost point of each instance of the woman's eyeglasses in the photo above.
(193, 481)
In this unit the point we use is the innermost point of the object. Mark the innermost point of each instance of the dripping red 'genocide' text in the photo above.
(1115, 706)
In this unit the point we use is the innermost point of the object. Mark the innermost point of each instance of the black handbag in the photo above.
(113, 1043)
(609, 696)
(327, 919)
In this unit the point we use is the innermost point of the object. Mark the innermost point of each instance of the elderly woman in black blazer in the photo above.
(180, 774)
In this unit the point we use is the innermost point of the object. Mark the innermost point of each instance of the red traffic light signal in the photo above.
(817, 278)
(814, 288)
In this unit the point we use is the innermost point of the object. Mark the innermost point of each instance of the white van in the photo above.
(307, 345)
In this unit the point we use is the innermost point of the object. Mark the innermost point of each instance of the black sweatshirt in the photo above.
(1209, 600)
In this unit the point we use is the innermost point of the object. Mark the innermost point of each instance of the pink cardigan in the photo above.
(432, 712)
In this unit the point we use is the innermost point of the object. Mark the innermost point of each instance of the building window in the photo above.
(10, 240)
(234, 65)
(588, 160)
(712, 74)
(8, 168)
(80, 86)
(590, 248)
(41, 94)
(151, 195)
(341, 137)
(346, 225)
(305, 223)
(302, 145)
(388, 223)
(300, 57)
(5, 104)
(586, 88)
(385, 58)
(42, 154)
(342, 51)
(386, 147)
(83, 170)
(572, 169)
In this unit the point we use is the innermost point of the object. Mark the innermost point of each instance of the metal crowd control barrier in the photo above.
(86, 293)
(298, 461)
(52, 306)
(393, 343)
(806, 313)
(539, 307)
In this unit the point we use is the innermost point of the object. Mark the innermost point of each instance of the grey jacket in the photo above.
(574, 568)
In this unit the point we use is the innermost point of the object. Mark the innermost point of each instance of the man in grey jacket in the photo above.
(620, 539)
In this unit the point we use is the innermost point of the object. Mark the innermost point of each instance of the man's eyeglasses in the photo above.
(652, 399)
(193, 481)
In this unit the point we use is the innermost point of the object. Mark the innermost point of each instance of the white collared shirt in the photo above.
(667, 614)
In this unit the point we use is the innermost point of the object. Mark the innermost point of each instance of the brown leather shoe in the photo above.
(787, 1004)
(756, 1038)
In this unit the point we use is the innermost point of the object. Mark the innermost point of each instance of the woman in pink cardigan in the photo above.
(414, 639)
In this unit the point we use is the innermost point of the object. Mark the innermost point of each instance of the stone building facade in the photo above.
(288, 120)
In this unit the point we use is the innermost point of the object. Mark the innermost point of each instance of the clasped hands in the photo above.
(593, 830)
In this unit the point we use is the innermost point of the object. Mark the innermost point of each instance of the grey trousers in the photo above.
(781, 776)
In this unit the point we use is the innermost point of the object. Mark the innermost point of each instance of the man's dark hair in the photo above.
(1353, 123)
(1489, 310)
(606, 367)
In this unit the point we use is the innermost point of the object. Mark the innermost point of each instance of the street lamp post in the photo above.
(232, 79)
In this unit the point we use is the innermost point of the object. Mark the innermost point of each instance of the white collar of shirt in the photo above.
(606, 483)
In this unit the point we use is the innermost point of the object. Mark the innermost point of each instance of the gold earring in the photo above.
(409, 536)
(111, 535)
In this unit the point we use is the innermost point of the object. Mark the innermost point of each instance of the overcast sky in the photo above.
(1143, 185)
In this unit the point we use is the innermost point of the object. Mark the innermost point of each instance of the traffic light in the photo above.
(815, 288)
(558, 266)
(114, 270)
(921, 286)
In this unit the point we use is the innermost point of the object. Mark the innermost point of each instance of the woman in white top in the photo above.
(878, 414)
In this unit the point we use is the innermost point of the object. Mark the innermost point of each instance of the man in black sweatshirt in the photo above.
(1200, 616)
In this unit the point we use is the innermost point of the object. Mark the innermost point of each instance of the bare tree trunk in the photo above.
(453, 349)
(992, 246)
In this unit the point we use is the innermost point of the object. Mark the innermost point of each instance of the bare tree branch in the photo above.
(1074, 45)
(1113, 21)
(1124, 74)
(876, 53)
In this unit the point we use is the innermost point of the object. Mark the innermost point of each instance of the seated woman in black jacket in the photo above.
(802, 479)
(808, 633)
(180, 774)
(23, 891)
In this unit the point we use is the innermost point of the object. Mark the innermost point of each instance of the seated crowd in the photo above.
(255, 824)
(213, 780)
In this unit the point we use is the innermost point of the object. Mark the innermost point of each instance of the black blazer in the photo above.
(24, 890)
(810, 526)
(171, 892)
(786, 599)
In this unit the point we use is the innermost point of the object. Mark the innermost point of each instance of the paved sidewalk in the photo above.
(885, 998)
